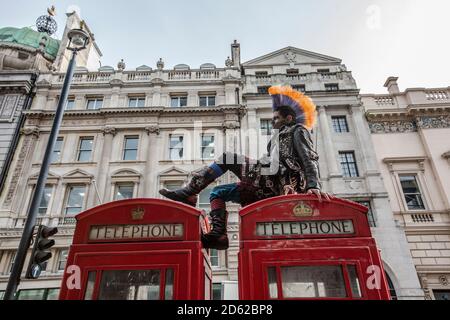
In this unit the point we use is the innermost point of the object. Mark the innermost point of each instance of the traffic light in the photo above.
(40, 254)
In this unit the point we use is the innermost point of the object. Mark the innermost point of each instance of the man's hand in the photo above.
(320, 194)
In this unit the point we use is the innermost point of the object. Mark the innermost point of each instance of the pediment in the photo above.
(125, 173)
(174, 172)
(77, 174)
(292, 55)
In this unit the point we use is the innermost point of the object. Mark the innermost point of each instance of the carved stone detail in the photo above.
(230, 125)
(30, 131)
(109, 130)
(400, 126)
(153, 130)
(440, 122)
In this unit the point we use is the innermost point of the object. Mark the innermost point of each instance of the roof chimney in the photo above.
(392, 85)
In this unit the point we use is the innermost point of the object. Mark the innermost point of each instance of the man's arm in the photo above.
(307, 157)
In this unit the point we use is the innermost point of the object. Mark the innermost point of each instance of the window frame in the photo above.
(208, 98)
(117, 186)
(125, 149)
(59, 160)
(79, 150)
(266, 131)
(69, 188)
(355, 162)
(178, 98)
(171, 148)
(332, 87)
(72, 100)
(137, 102)
(419, 187)
(202, 147)
(96, 102)
(338, 126)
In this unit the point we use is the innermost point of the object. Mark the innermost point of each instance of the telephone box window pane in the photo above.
(130, 285)
(354, 281)
(90, 285)
(37, 294)
(273, 287)
(313, 282)
(168, 293)
(53, 294)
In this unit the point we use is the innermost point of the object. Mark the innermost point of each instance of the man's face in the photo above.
(278, 121)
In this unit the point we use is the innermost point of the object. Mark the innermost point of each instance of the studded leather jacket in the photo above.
(297, 168)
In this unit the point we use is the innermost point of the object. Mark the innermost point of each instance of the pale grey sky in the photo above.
(374, 38)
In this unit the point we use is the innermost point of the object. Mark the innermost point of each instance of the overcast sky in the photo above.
(374, 38)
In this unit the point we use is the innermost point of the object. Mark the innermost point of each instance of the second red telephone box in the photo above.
(295, 247)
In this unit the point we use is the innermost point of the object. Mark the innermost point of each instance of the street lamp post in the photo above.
(78, 40)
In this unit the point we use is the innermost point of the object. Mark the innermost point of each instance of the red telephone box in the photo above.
(294, 247)
(139, 249)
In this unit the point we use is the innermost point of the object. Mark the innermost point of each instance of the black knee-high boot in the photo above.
(217, 238)
(188, 195)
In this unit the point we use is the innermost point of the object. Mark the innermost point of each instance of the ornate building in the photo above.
(410, 131)
(127, 133)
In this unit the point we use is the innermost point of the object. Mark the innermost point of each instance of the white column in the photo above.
(330, 153)
(365, 141)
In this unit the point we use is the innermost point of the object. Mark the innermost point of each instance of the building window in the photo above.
(130, 149)
(85, 149)
(203, 198)
(266, 127)
(56, 157)
(75, 200)
(94, 104)
(207, 101)
(299, 87)
(173, 185)
(11, 261)
(441, 295)
(177, 102)
(348, 164)
(261, 74)
(70, 104)
(207, 146)
(136, 102)
(292, 71)
(214, 257)
(370, 215)
(332, 87)
(62, 260)
(217, 291)
(323, 70)
(411, 192)
(45, 200)
(124, 191)
(340, 124)
(263, 90)
(176, 147)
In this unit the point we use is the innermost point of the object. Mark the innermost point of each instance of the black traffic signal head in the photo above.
(40, 255)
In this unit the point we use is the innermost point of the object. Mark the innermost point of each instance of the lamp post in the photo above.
(78, 40)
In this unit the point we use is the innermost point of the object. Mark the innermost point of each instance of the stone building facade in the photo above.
(410, 133)
(128, 133)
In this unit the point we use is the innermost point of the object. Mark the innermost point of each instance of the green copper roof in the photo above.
(30, 38)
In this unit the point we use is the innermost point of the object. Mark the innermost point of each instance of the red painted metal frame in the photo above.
(185, 255)
(258, 253)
